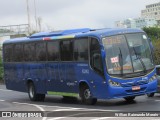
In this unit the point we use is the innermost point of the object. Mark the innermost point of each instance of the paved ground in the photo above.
(60, 109)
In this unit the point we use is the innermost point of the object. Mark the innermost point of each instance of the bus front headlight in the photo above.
(112, 83)
(153, 78)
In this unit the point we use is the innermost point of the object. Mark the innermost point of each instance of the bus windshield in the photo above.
(129, 53)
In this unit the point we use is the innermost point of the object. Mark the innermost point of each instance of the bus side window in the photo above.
(81, 50)
(29, 52)
(18, 53)
(41, 51)
(95, 56)
(53, 51)
(66, 49)
(8, 53)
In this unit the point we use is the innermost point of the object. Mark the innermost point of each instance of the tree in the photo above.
(154, 34)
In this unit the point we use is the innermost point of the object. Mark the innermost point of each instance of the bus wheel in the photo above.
(86, 97)
(33, 95)
(129, 99)
(150, 94)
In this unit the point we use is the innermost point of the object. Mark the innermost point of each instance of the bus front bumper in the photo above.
(121, 92)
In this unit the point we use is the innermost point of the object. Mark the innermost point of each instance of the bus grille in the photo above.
(130, 84)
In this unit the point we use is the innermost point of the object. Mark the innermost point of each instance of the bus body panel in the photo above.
(61, 75)
(37, 73)
(127, 84)
(14, 77)
(53, 76)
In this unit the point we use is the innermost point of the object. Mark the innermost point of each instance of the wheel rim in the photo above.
(31, 91)
(87, 94)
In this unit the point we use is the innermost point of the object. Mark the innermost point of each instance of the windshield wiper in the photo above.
(121, 60)
(140, 59)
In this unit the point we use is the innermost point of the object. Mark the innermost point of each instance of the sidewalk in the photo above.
(1, 82)
(2, 86)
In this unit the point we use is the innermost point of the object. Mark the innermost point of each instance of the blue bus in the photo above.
(87, 63)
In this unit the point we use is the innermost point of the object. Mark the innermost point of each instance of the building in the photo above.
(13, 31)
(150, 17)
(119, 24)
(145, 22)
(152, 11)
(136, 23)
(128, 23)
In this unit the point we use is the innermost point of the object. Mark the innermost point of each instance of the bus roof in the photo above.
(73, 33)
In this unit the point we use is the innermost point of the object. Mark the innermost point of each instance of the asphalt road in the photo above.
(56, 108)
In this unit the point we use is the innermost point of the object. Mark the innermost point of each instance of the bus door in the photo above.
(97, 72)
(67, 77)
(66, 67)
(53, 79)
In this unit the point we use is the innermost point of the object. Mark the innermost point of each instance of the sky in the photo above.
(69, 14)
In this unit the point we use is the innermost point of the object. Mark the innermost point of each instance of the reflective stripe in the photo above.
(62, 93)
(63, 37)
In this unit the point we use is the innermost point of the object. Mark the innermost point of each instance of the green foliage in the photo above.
(156, 52)
(154, 34)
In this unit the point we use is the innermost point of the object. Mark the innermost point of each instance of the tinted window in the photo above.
(18, 53)
(29, 52)
(40, 51)
(81, 50)
(8, 53)
(53, 51)
(66, 50)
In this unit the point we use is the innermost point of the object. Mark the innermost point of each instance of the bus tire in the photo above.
(130, 98)
(32, 93)
(150, 94)
(86, 97)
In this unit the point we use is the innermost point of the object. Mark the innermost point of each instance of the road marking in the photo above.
(37, 106)
(2, 100)
(102, 118)
(67, 109)
(64, 109)
(75, 115)
(41, 109)
(56, 118)
(30, 104)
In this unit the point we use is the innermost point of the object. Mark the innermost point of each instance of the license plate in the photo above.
(136, 88)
